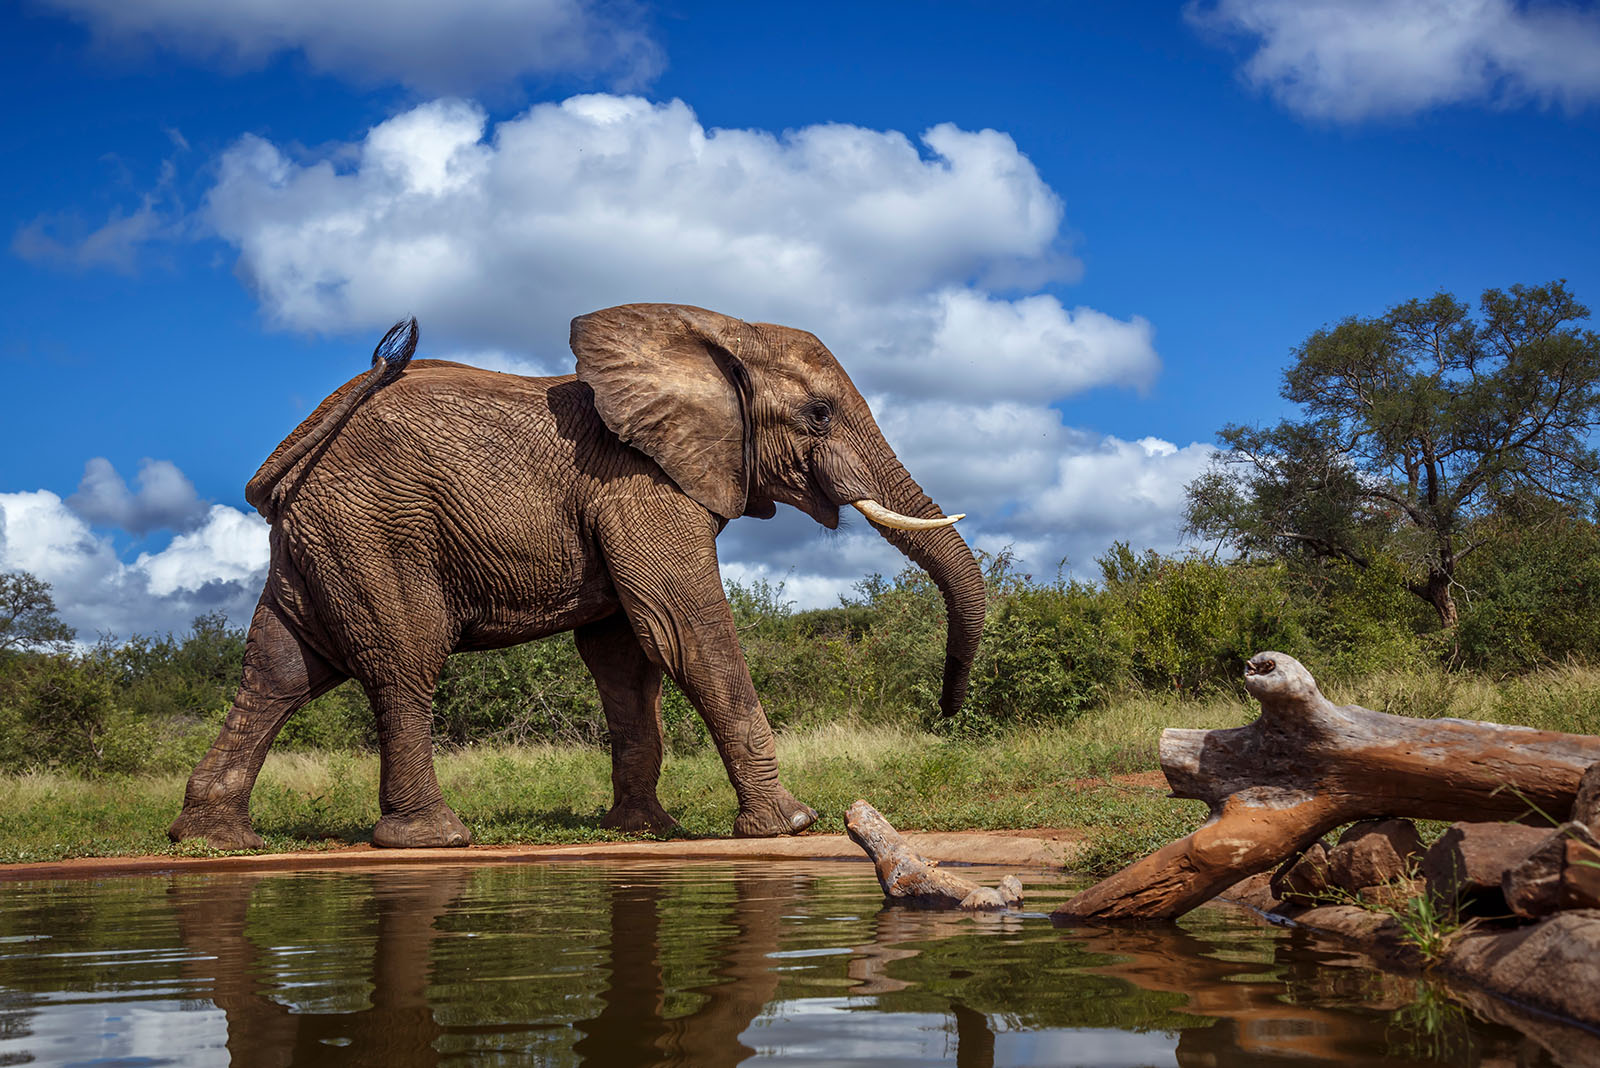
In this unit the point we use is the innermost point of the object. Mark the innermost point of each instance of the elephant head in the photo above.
(745, 416)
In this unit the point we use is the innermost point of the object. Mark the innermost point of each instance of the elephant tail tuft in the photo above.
(389, 360)
(393, 352)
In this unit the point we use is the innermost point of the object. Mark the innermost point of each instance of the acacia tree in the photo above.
(1425, 432)
(28, 614)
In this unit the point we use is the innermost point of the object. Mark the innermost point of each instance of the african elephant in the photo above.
(431, 507)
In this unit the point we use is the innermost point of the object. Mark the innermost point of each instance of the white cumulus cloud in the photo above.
(498, 237)
(1350, 59)
(919, 262)
(457, 46)
(1117, 490)
(218, 565)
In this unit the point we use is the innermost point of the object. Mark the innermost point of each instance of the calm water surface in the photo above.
(689, 964)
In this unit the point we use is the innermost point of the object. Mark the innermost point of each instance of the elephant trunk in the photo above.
(944, 555)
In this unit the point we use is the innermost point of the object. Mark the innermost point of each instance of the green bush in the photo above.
(537, 691)
(1532, 598)
(60, 709)
(1048, 653)
(340, 720)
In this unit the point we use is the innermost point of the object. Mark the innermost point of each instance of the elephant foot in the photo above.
(432, 827)
(219, 830)
(639, 816)
(776, 814)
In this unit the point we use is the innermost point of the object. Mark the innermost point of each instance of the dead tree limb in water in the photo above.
(1306, 766)
(910, 879)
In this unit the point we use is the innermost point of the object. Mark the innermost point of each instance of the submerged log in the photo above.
(910, 879)
(1306, 765)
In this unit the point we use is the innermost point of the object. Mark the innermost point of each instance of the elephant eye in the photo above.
(819, 414)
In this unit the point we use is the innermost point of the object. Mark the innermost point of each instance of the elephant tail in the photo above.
(389, 359)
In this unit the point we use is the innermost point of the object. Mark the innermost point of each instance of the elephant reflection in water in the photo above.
(897, 933)
(632, 1028)
(398, 1028)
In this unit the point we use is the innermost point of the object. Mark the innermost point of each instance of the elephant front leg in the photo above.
(630, 694)
(749, 752)
(671, 591)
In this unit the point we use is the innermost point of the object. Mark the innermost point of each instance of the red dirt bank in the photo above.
(1033, 849)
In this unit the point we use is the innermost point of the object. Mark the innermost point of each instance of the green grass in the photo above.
(544, 793)
(1060, 777)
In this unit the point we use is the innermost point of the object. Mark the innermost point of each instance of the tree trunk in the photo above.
(1436, 591)
(1306, 766)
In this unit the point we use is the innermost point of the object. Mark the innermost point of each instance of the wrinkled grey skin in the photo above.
(448, 508)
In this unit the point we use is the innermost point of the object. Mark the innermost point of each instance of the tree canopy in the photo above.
(1425, 434)
(28, 617)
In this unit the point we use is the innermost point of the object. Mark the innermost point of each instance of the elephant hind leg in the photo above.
(281, 674)
(630, 694)
(413, 812)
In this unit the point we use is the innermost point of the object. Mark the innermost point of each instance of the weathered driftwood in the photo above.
(910, 879)
(1306, 766)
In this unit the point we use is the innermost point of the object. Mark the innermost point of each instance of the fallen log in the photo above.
(1306, 766)
(910, 879)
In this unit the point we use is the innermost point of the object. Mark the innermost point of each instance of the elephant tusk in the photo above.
(885, 518)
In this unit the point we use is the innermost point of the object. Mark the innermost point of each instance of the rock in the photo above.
(1303, 878)
(1553, 965)
(1374, 852)
(1580, 878)
(1534, 888)
(1391, 896)
(1464, 868)
(1254, 892)
(1011, 891)
(1586, 805)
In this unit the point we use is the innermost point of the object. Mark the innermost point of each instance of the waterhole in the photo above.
(699, 964)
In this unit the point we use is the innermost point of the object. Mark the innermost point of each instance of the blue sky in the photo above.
(1058, 246)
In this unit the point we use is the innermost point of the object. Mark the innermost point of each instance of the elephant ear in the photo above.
(667, 379)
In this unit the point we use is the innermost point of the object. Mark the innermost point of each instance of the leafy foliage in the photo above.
(28, 617)
(1424, 432)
